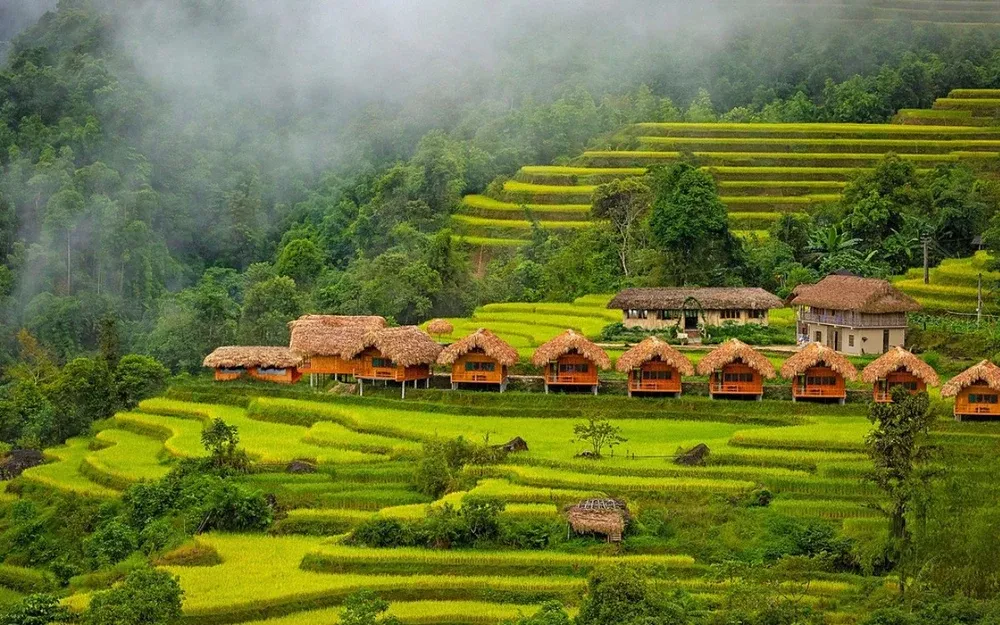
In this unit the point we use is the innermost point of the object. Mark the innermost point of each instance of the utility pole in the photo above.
(979, 300)
(927, 265)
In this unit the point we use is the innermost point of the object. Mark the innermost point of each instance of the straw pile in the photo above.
(816, 354)
(599, 516)
(406, 346)
(897, 359)
(232, 356)
(985, 372)
(484, 341)
(570, 341)
(735, 350)
(654, 347)
(440, 327)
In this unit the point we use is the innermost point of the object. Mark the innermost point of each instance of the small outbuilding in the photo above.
(571, 360)
(600, 516)
(898, 367)
(735, 369)
(272, 364)
(818, 372)
(654, 366)
(976, 391)
(403, 355)
(480, 358)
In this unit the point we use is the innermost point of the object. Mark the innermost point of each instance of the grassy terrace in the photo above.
(763, 170)
(953, 284)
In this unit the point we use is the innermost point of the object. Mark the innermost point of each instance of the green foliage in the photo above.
(365, 608)
(146, 597)
(622, 594)
(222, 441)
(599, 433)
(301, 260)
(37, 609)
(137, 378)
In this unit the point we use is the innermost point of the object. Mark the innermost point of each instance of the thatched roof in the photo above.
(316, 338)
(484, 341)
(567, 342)
(339, 321)
(440, 326)
(895, 359)
(714, 298)
(985, 372)
(600, 516)
(405, 346)
(815, 354)
(865, 295)
(735, 350)
(242, 356)
(654, 347)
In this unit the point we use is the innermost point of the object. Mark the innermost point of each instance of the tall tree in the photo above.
(624, 204)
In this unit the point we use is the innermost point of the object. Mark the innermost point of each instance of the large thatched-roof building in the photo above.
(853, 315)
(654, 366)
(690, 309)
(321, 340)
(403, 354)
(571, 360)
(735, 369)
(976, 391)
(818, 372)
(479, 358)
(273, 364)
(898, 367)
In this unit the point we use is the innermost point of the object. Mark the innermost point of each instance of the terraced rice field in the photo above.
(953, 285)
(808, 456)
(763, 170)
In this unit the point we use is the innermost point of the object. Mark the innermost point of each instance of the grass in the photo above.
(496, 206)
(129, 458)
(64, 473)
(953, 284)
(419, 613)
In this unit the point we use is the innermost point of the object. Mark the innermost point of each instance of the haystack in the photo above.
(735, 350)
(482, 340)
(407, 346)
(570, 341)
(440, 327)
(897, 359)
(233, 356)
(814, 355)
(599, 516)
(985, 372)
(651, 348)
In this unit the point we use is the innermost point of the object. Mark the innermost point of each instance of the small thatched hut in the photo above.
(898, 367)
(321, 339)
(274, 364)
(403, 354)
(570, 359)
(654, 366)
(600, 516)
(439, 327)
(818, 372)
(736, 369)
(976, 391)
(480, 358)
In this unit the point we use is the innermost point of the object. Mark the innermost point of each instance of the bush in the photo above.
(382, 532)
(618, 333)
(111, 543)
(146, 597)
(750, 333)
(138, 377)
(40, 609)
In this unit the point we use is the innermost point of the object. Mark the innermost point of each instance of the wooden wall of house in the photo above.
(808, 385)
(288, 375)
(640, 381)
(555, 373)
(987, 402)
(719, 384)
(330, 365)
(460, 374)
(882, 391)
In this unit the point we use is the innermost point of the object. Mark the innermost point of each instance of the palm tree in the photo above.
(831, 241)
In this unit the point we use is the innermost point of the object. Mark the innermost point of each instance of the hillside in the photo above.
(762, 170)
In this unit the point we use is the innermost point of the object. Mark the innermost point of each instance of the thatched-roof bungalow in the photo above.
(599, 516)
(976, 391)
(654, 366)
(570, 359)
(480, 358)
(818, 372)
(401, 355)
(736, 369)
(273, 364)
(898, 367)
(321, 339)
(691, 308)
(853, 315)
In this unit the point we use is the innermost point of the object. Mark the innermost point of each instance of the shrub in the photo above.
(383, 532)
(481, 516)
(40, 609)
(750, 333)
(111, 543)
(138, 377)
(146, 597)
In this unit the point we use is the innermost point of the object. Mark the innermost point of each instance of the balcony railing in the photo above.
(571, 378)
(666, 386)
(855, 320)
(819, 391)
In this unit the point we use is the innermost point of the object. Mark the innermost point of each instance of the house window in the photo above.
(657, 375)
(979, 398)
(910, 386)
(472, 365)
(382, 363)
(270, 371)
(737, 377)
(232, 369)
(850, 340)
(669, 314)
(756, 314)
(730, 314)
(574, 368)
(821, 380)
(637, 314)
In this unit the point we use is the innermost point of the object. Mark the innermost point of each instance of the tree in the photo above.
(267, 308)
(599, 434)
(222, 442)
(138, 377)
(147, 597)
(365, 608)
(37, 609)
(623, 203)
(829, 242)
(701, 108)
(621, 594)
(84, 392)
(301, 260)
(898, 448)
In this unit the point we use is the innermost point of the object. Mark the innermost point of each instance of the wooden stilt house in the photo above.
(735, 369)
(400, 355)
(272, 364)
(571, 360)
(818, 372)
(976, 391)
(898, 367)
(481, 358)
(654, 366)
(321, 340)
